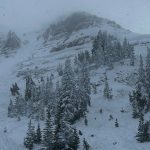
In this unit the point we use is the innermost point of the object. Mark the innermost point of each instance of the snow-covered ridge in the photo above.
(81, 25)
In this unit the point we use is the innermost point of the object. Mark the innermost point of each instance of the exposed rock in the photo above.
(12, 42)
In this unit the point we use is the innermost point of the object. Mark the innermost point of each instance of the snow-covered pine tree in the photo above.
(138, 103)
(14, 89)
(11, 109)
(124, 48)
(59, 129)
(85, 121)
(40, 105)
(146, 134)
(48, 131)
(67, 91)
(140, 135)
(19, 106)
(116, 123)
(38, 135)
(74, 140)
(30, 137)
(65, 137)
(84, 80)
(141, 76)
(30, 86)
(132, 56)
(57, 95)
(107, 91)
(132, 99)
(99, 51)
(49, 91)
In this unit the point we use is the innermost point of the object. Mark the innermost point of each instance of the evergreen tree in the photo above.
(107, 91)
(138, 103)
(146, 132)
(67, 91)
(59, 130)
(30, 137)
(116, 123)
(48, 132)
(38, 135)
(11, 109)
(76, 140)
(73, 140)
(19, 106)
(141, 76)
(132, 56)
(125, 48)
(86, 121)
(84, 83)
(30, 86)
(140, 136)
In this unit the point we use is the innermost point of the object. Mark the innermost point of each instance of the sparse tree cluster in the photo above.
(32, 103)
(107, 50)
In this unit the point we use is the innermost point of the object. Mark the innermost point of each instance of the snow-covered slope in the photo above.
(36, 56)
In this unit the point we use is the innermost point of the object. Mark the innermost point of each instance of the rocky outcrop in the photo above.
(12, 42)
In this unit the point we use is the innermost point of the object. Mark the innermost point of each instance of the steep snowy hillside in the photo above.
(40, 55)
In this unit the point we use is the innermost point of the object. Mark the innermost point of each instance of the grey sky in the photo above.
(33, 14)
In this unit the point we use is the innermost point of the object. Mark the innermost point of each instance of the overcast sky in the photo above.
(33, 14)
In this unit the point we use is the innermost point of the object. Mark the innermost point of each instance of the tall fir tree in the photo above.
(48, 132)
(38, 135)
(67, 91)
(11, 109)
(132, 56)
(74, 140)
(59, 130)
(143, 130)
(107, 91)
(141, 76)
(30, 137)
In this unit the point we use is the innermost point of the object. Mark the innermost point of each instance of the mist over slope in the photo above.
(40, 54)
